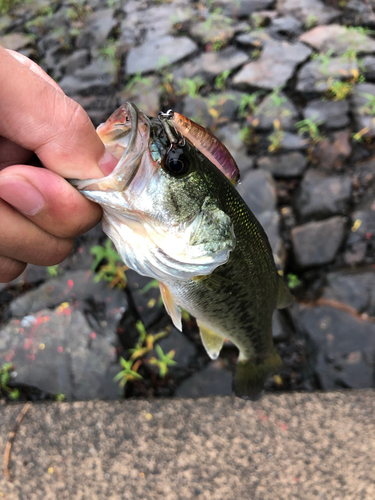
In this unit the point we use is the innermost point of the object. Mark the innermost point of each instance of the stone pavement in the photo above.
(289, 446)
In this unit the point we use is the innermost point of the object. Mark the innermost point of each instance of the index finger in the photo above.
(43, 119)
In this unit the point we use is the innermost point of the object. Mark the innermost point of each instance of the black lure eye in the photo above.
(177, 163)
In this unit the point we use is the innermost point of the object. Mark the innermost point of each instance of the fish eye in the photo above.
(177, 163)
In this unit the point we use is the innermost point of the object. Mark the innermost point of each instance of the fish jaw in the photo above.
(115, 132)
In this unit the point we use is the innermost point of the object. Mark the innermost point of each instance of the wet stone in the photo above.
(338, 39)
(360, 13)
(331, 114)
(368, 65)
(276, 106)
(320, 196)
(355, 288)
(73, 286)
(364, 114)
(146, 297)
(287, 25)
(196, 108)
(293, 142)
(145, 94)
(343, 359)
(244, 8)
(184, 349)
(214, 379)
(98, 107)
(317, 76)
(59, 352)
(256, 39)
(164, 51)
(99, 27)
(280, 330)
(212, 111)
(16, 41)
(258, 190)
(274, 67)
(230, 135)
(308, 11)
(217, 28)
(360, 246)
(164, 17)
(75, 61)
(100, 75)
(285, 165)
(317, 243)
(332, 152)
(212, 64)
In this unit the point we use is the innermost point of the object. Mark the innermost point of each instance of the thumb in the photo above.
(41, 118)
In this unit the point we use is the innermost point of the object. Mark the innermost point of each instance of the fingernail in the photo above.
(108, 162)
(21, 194)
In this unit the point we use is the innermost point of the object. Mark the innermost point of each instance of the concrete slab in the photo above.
(292, 446)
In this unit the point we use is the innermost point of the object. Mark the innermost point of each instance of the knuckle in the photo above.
(10, 269)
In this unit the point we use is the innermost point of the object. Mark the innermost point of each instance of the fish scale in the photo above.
(173, 213)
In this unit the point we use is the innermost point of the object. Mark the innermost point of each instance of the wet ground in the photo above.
(290, 89)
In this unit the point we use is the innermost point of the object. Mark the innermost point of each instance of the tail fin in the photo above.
(250, 376)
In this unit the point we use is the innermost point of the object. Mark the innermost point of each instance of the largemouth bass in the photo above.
(173, 213)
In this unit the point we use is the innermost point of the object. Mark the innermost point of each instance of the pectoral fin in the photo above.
(284, 297)
(170, 305)
(212, 341)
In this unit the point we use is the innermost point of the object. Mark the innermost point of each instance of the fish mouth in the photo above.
(127, 131)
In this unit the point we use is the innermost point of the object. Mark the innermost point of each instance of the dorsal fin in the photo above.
(207, 144)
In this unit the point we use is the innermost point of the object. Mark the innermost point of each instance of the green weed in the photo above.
(164, 361)
(54, 271)
(249, 102)
(276, 137)
(112, 271)
(369, 107)
(191, 86)
(293, 281)
(109, 51)
(311, 21)
(5, 373)
(136, 79)
(309, 127)
(143, 347)
(221, 79)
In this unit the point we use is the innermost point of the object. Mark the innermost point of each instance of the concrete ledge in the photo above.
(291, 446)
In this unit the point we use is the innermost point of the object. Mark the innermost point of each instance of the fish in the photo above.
(173, 213)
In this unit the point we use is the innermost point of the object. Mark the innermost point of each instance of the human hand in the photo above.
(40, 212)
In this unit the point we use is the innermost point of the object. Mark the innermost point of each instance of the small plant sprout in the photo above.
(311, 21)
(146, 341)
(53, 270)
(112, 271)
(164, 361)
(249, 102)
(293, 281)
(137, 79)
(5, 374)
(221, 79)
(310, 127)
(276, 137)
(128, 373)
(276, 98)
(191, 86)
(109, 51)
(369, 107)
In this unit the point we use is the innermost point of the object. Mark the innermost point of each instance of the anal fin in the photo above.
(170, 305)
(212, 341)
